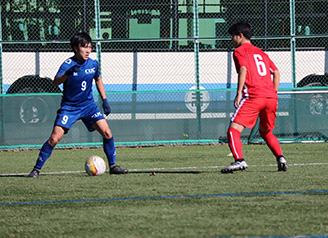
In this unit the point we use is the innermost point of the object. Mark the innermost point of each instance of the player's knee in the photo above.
(264, 133)
(107, 134)
(53, 141)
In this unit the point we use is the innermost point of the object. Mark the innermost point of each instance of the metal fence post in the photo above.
(196, 51)
(293, 58)
(293, 41)
(2, 126)
(98, 33)
(98, 46)
(1, 72)
(134, 84)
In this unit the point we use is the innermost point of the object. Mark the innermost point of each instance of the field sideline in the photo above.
(169, 192)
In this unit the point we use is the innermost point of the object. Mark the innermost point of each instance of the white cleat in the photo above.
(238, 165)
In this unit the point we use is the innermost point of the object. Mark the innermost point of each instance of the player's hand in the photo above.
(237, 100)
(73, 69)
(106, 107)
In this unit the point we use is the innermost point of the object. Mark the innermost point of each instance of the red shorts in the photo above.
(250, 108)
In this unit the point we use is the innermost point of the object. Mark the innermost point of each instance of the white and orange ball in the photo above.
(95, 166)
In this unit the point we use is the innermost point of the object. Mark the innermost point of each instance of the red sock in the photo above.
(235, 143)
(272, 142)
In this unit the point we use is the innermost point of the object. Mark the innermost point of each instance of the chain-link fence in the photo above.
(166, 64)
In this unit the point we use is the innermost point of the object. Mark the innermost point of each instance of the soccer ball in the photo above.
(95, 166)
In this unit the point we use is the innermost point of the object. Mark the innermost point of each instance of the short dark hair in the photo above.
(242, 27)
(81, 38)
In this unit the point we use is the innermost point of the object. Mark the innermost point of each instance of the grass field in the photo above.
(187, 197)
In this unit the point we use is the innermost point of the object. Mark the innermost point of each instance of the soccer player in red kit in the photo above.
(258, 83)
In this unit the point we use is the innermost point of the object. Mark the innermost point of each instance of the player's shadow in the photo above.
(12, 175)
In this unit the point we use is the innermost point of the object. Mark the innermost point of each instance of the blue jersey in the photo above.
(78, 85)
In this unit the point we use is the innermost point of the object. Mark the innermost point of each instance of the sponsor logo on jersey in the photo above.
(90, 71)
(96, 115)
(68, 61)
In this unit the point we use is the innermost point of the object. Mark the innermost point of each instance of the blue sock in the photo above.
(44, 154)
(110, 150)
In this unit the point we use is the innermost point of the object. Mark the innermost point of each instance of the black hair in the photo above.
(242, 27)
(80, 39)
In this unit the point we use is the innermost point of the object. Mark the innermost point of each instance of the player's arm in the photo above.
(100, 87)
(275, 74)
(276, 79)
(241, 81)
(59, 80)
(102, 93)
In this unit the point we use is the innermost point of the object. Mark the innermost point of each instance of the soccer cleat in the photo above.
(238, 165)
(35, 173)
(117, 170)
(282, 163)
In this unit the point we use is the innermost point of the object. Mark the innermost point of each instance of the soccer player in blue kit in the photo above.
(77, 74)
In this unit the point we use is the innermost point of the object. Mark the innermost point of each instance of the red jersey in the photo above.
(259, 66)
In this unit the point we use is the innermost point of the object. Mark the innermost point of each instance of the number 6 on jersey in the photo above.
(260, 65)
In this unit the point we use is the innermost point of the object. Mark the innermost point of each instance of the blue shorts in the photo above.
(68, 115)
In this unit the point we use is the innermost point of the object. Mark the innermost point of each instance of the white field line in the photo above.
(166, 169)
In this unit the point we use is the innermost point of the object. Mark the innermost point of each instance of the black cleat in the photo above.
(35, 173)
(282, 164)
(117, 170)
